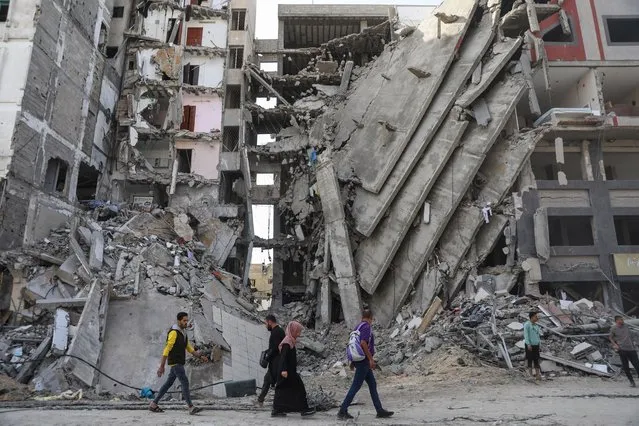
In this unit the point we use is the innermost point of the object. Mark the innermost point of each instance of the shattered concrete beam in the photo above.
(87, 343)
(79, 254)
(502, 52)
(445, 196)
(27, 370)
(374, 254)
(485, 241)
(45, 257)
(378, 124)
(340, 244)
(369, 208)
(501, 167)
(53, 304)
(267, 86)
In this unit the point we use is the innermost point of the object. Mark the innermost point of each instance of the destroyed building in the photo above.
(485, 148)
(469, 150)
(58, 92)
(179, 114)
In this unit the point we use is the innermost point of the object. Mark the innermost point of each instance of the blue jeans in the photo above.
(177, 371)
(363, 373)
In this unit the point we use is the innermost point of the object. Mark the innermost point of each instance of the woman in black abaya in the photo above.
(290, 393)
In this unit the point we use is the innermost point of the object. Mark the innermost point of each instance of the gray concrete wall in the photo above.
(59, 110)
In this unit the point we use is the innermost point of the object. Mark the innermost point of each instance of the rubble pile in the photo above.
(484, 330)
(68, 279)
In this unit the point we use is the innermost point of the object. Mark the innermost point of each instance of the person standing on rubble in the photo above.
(622, 342)
(532, 341)
(277, 335)
(364, 371)
(290, 393)
(177, 344)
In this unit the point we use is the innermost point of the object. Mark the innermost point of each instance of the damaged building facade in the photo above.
(487, 147)
(58, 93)
(179, 114)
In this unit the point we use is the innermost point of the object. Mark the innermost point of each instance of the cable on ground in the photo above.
(115, 380)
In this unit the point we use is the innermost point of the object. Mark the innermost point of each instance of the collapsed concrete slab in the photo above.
(378, 124)
(219, 237)
(501, 167)
(369, 208)
(87, 343)
(444, 199)
(339, 240)
(374, 254)
(502, 51)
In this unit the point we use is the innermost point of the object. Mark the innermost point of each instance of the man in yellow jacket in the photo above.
(177, 344)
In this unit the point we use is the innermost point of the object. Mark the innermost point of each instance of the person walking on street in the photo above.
(364, 371)
(622, 342)
(277, 335)
(290, 393)
(177, 344)
(532, 340)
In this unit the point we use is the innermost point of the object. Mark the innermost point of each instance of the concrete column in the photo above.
(604, 232)
(278, 264)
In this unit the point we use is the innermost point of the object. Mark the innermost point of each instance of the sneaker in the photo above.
(308, 412)
(384, 414)
(344, 416)
(194, 410)
(259, 403)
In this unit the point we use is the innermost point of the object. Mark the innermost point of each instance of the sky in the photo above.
(266, 23)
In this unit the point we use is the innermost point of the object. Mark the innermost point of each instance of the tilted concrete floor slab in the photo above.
(444, 199)
(502, 51)
(502, 166)
(369, 208)
(339, 241)
(406, 89)
(375, 253)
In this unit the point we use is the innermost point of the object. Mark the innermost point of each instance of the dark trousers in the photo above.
(628, 357)
(177, 371)
(363, 373)
(268, 382)
(532, 355)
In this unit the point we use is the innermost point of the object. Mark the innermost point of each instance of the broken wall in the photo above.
(60, 108)
(203, 158)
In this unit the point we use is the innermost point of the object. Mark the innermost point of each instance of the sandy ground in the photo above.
(504, 400)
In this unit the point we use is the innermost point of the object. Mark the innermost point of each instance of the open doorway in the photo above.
(87, 186)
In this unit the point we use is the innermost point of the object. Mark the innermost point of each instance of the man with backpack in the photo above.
(360, 351)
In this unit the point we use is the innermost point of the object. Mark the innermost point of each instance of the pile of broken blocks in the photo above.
(62, 285)
(488, 327)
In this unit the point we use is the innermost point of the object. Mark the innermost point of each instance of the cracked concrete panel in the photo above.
(339, 240)
(415, 72)
(169, 61)
(501, 54)
(444, 199)
(42, 74)
(67, 105)
(502, 166)
(375, 253)
(369, 208)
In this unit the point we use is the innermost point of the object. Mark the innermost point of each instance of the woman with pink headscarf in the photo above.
(290, 393)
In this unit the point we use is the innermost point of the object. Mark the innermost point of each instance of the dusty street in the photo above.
(562, 401)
